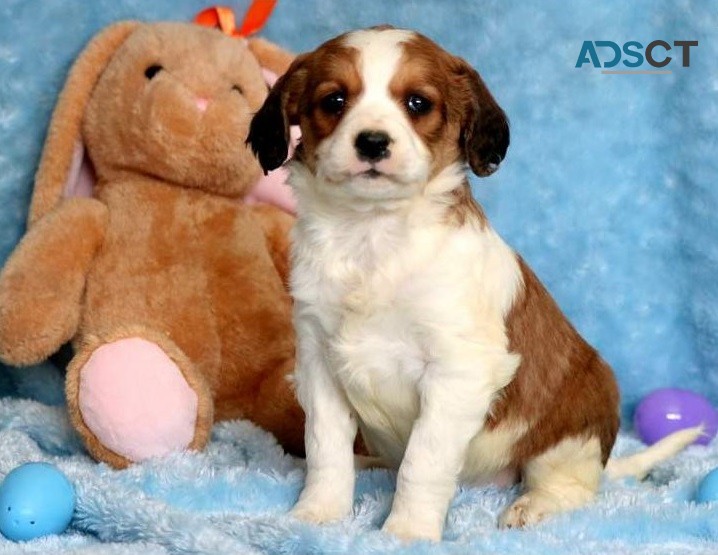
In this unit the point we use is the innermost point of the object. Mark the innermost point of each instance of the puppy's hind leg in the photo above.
(565, 477)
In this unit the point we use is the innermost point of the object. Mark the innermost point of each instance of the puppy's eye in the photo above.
(418, 105)
(237, 88)
(153, 70)
(333, 103)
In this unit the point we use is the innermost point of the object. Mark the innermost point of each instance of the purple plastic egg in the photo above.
(668, 410)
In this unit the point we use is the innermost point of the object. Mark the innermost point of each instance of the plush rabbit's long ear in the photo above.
(270, 56)
(64, 168)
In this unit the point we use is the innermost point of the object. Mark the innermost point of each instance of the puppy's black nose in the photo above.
(372, 146)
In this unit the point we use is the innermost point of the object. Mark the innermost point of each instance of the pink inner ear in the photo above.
(269, 76)
(81, 177)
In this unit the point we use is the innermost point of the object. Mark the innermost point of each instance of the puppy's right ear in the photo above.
(269, 130)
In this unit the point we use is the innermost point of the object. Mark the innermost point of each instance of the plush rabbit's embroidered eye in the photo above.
(153, 70)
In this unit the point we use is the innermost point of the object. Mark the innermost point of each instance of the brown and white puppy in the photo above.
(416, 323)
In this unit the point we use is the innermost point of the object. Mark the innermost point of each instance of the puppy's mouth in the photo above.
(364, 178)
(369, 170)
(372, 173)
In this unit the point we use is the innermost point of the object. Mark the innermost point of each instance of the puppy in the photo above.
(416, 324)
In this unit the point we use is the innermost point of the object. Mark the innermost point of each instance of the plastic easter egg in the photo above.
(665, 411)
(708, 488)
(36, 499)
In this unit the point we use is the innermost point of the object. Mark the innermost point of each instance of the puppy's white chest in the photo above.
(342, 267)
(384, 299)
(362, 292)
(379, 364)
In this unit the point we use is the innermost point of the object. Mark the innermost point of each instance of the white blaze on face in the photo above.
(379, 55)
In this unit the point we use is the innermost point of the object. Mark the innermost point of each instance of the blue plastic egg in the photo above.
(708, 488)
(36, 499)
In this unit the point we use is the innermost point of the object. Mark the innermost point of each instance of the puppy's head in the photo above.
(382, 111)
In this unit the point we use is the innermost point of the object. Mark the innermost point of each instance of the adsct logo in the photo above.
(633, 55)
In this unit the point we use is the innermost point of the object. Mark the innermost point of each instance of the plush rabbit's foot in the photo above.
(135, 400)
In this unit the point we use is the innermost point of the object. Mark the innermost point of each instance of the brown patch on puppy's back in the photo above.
(562, 387)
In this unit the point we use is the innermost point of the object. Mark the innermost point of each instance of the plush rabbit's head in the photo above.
(170, 101)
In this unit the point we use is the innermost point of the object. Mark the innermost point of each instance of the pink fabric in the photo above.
(269, 76)
(273, 189)
(81, 177)
(135, 400)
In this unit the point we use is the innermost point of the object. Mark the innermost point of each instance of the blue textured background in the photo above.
(609, 186)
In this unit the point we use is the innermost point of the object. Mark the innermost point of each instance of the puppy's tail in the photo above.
(640, 464)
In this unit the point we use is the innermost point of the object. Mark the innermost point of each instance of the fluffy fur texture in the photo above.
(416, 323)
(162, 250)
(634, 268)
(234, 497)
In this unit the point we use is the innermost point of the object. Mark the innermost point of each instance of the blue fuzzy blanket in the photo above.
(234, 497)
(609, 191)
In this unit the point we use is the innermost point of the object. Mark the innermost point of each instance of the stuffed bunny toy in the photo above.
(141, 252)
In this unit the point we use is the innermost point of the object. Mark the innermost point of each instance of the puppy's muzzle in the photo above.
(372, 146)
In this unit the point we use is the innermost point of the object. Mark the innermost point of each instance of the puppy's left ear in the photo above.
(269, 131)
(485, 128)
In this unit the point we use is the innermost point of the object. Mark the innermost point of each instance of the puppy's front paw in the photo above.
(408, 529)
(319, 509)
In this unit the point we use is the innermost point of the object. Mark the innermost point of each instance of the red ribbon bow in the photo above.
(222, 17)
